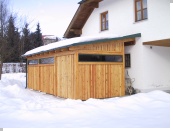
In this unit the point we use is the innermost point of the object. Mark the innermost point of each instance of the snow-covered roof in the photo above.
(50, 37)
(76, 41)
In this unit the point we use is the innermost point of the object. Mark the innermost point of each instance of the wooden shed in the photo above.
(79, 69)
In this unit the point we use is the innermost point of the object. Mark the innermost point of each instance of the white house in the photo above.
(150, 54)
(47, 39)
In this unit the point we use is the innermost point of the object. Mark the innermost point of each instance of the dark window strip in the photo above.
(32, 62)
(49, 60)
(100, 58)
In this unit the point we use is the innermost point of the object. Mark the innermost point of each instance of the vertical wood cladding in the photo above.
(69, 78)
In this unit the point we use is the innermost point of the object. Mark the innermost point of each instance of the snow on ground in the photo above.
(24, 108)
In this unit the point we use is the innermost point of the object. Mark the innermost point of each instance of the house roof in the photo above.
(77, 41)
(162, 42)
(82, 14)
(49, 37)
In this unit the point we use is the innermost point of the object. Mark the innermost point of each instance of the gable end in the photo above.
(81, 16)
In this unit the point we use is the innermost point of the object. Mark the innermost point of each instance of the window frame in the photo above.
(47, 60)
(102, 58)
(103, 24)
(127, 60)
(33, 62)
(141, 10)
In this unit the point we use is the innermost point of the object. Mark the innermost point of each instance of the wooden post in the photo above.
(26, 68)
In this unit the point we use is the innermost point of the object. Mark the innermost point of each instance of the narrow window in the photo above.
(100, 58)
(104, 21)
(49, 60)
(127, 60)
(32, 62)
(141, 12)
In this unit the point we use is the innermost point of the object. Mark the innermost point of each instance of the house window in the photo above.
(141, 12)
(100, 58)
(49, 60)
(127, 60)
(104, 21)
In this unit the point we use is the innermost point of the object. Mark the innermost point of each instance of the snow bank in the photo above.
(68, 42)
(27, 108)
(18, 79)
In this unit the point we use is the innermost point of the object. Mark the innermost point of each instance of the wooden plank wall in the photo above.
(65, 76)
(47, 78)
(100, 81)
(41, 78)
(33, 77)
(113, 46)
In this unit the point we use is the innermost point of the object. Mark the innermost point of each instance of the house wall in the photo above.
(157, 68)
(146, 63)
(48, 41)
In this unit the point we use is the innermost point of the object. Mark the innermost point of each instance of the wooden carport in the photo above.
(83, 70)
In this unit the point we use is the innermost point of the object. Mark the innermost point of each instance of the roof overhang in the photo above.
(81, 16)
(127, 40)
(128, 37)
(163, 42)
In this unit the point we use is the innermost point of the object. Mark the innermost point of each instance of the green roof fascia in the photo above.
(81, 2)
(98, 41)
(107, 39)
(90, 42)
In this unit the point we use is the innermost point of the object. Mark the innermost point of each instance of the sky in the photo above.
(54, 16)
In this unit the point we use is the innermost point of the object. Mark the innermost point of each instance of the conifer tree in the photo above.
(38, 37)
(13, 40)
(26, 44)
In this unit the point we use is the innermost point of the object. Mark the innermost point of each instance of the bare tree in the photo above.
(4, 13)
(3, 24)
(0, 67)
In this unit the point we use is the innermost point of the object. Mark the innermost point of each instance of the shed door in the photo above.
(65, 76)
(100, 80)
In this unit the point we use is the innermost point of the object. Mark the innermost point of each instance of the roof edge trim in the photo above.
(88, 42)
